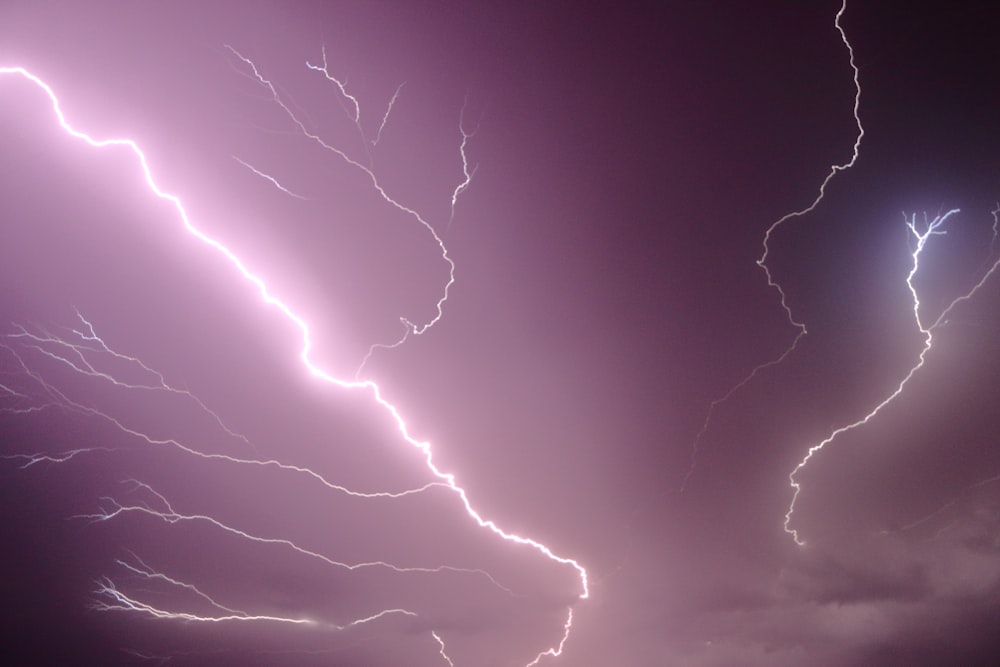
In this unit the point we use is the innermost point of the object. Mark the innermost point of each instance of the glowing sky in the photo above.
(625, 166)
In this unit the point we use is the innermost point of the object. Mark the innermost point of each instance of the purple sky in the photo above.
(627, 164)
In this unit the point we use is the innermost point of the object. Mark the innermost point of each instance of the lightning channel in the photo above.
(57, 398)
(920, 235)
(367, 386)
(441, 648)
(772, 282)
(388, 110)
(270, 179)
(461, 187)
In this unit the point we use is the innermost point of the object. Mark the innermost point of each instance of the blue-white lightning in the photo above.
(921, 233)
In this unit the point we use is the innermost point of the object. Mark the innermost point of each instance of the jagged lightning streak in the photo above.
(930, 228)
(271, 179)
(388, 110)
(408, 326)
(800, 327)
(341, 86)
(441, 646)
(368, 386)
(834, 170)
(461, 187)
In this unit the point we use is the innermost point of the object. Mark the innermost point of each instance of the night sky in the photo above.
(625, 166)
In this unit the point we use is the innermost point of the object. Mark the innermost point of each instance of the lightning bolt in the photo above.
(441, 646)
(74, 355)
(53, 397)
(116, 600)
(800, 327)
(921, 235)
(388, 110)
(461, 187)
(271, 179)
(342, 87)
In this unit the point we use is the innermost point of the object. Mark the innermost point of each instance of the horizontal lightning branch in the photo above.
(111, 598)
(169, 515)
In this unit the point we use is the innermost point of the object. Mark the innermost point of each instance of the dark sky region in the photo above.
(628, 162)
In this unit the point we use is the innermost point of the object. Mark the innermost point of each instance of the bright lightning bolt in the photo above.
(921, 237)
(56, 398)
(86, 344)
(441, 651)
(74, 356)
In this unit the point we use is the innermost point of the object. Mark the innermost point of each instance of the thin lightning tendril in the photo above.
(951, 503)
(171, 516)
(112, 599)
(341, 86)
(269, 178)
(388, 110)
(146, 572)
(439, 306)
(834, 170)
(84, 348)
(119, 601)
(800, 327)
(460, 188)
(996, 232)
